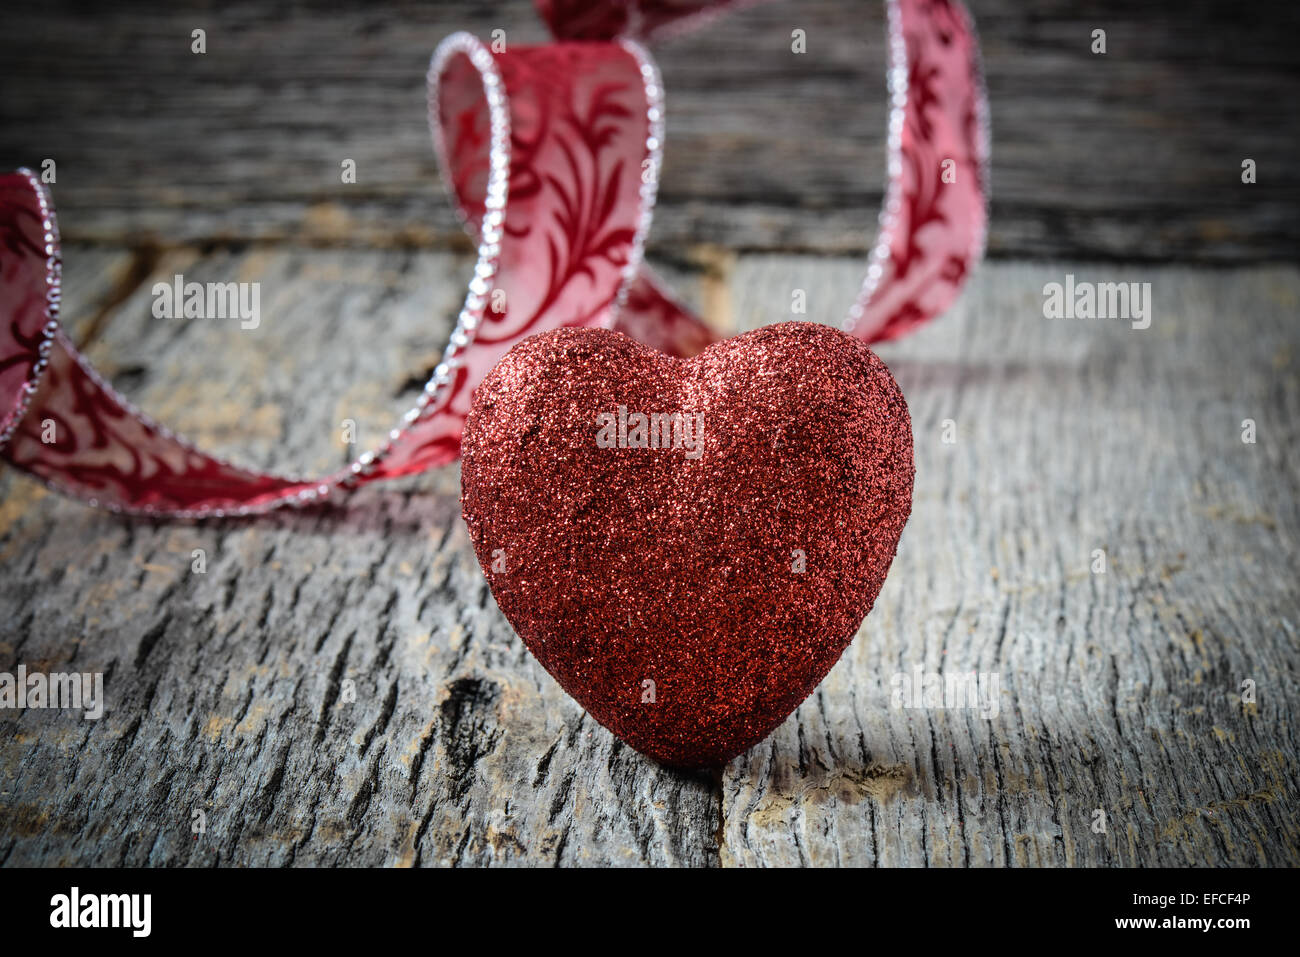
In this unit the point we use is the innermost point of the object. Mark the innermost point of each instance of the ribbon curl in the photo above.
(551, 155)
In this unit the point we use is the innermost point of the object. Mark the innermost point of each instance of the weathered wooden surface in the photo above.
(235, 702)
(1134, 155)
(1119, 692)
(228, 691)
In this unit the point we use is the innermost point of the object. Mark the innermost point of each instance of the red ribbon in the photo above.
(552, 156)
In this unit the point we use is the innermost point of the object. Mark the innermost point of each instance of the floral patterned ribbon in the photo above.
(552, 157)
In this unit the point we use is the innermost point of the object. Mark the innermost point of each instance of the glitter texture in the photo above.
(688, 603)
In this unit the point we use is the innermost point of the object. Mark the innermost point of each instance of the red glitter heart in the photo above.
(691, 593)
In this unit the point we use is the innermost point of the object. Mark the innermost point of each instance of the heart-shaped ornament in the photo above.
(688, 545)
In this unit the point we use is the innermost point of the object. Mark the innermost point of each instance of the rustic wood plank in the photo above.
(228, 691)
(1135, 155)
(1119, 692)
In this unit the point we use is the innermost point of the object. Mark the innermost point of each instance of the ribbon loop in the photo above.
(551, 154)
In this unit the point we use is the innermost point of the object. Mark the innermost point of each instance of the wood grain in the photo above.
(230, 691)
(1132, 156)
(1120, 692)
